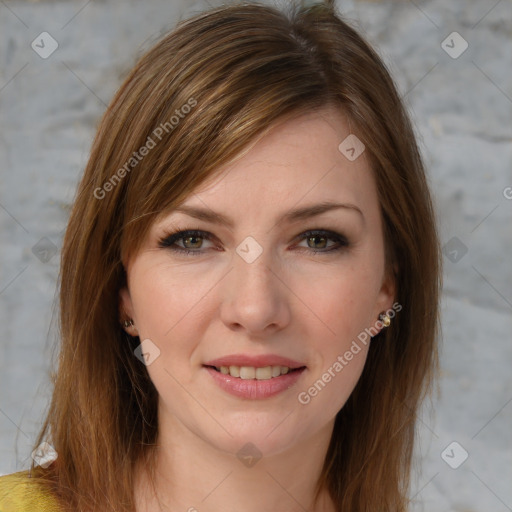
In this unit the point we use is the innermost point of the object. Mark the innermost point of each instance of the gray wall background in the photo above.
(461, 106)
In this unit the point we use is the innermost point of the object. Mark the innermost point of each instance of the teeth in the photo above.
(264, 373)
(247, 372)
(250, 372)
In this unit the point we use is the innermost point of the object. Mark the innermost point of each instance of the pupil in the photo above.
(315, 238)
(195, 241)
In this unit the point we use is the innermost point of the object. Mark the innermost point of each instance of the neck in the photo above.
(194, 476)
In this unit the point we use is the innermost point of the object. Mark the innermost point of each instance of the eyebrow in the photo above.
(295, 215)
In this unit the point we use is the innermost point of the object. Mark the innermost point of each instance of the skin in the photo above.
(291, 301)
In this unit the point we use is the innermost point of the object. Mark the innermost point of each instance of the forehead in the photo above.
(298, 161)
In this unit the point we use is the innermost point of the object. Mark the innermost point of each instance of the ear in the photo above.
(387, 293)
(126, 311)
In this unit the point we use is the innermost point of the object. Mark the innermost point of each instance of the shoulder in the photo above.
(19, 493)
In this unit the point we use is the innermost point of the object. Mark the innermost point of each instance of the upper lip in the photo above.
(256, 361)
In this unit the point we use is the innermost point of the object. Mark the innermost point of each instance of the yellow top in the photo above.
(18, 493)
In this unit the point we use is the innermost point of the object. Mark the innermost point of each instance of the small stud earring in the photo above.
(385, 319)
(128, 323)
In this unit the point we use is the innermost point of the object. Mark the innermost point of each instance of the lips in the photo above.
(254, 376)
(256, 361)
(254, 388)
(254, 367)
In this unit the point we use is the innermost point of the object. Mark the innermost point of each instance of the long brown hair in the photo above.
(200, 97)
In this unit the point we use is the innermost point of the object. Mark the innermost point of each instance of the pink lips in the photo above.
(256, 361)
(253, 388)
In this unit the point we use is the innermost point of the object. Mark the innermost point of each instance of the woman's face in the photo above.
(284, 268)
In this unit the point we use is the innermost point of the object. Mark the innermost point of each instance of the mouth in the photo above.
(255, 373)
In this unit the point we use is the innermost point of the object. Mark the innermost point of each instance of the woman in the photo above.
(250, 279)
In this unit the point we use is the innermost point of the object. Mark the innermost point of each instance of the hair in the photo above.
(196, 100)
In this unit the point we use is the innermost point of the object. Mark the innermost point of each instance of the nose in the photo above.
(255, 299)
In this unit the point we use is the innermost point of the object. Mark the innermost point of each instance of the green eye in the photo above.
(192, 242)
(318, 240)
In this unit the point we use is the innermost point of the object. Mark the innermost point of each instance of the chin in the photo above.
(265, 437)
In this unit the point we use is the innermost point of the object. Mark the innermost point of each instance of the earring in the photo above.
(385, 319)
(128, 323)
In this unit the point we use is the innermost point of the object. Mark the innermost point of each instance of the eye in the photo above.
(190, 241)
(318, 240)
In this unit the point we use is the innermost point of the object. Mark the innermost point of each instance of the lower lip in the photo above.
(253, 388)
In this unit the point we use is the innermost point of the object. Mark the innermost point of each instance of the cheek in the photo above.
(166, 299)
(342, 300)
(170, 311)
(330, 390)
(339, 354)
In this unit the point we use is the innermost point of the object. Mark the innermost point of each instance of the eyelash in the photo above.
(169, 240)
